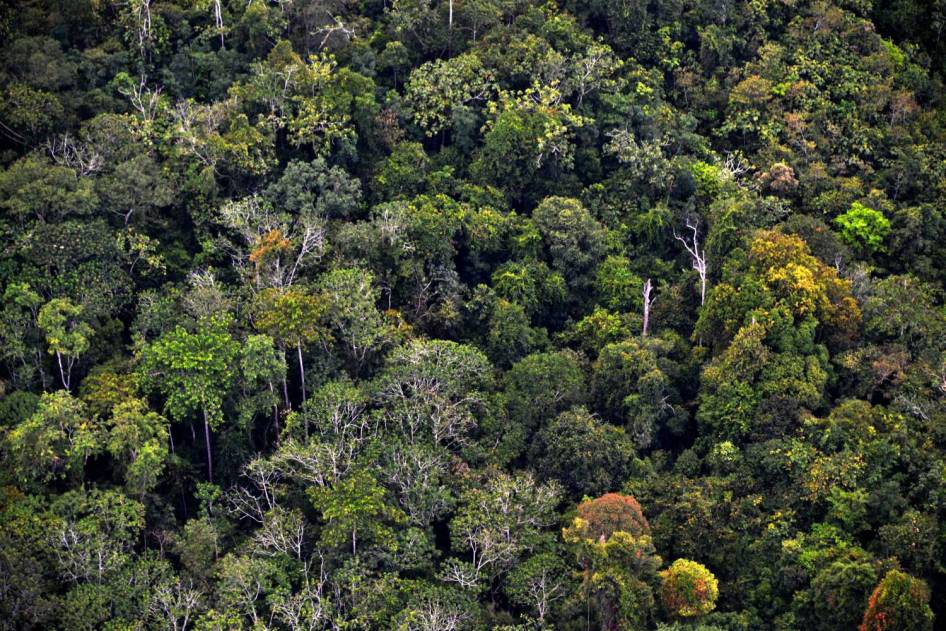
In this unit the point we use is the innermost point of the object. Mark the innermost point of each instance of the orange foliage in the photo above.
(273, 242)
(613, 512)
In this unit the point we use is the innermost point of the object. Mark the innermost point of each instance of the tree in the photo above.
(543, 384)
(610, 513)
(863, 228)
(631, 385)
(33, 189)
(527, 132)
(355, 509)
(138, 439)
(442, 90)
(586, 455)
(93, 533)
(295, 317)
(617, 287)
(194, 371)
(575, 240)
(499, 523)
(277, 245)
(433, 389)
(617, 570)
(697, 254)
(539, 583)
(899, 601)
(688, 589)
(19, 316)
(67, 336)
(351, 314)
(55, 441)
(262, 366)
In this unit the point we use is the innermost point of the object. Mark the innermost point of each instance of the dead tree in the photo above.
(218, 19)
(697, 254)
(648, 301)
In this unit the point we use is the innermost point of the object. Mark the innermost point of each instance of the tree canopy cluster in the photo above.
(473, 314)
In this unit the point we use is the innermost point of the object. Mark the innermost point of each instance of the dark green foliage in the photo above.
(403, 315)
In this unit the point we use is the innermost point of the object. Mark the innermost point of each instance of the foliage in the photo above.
(899, 601)
(402, 315)
(688, 589)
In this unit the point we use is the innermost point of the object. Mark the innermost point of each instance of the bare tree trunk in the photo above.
(697, 255)
(648, 301)
(301, 370)
(63, 373)
(218, 18)
(210, 462)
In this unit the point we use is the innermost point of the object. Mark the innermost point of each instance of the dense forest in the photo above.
(473, 314)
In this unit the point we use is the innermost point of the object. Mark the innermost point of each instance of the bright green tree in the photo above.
(66, 334)
(864, 228)
(194, 371)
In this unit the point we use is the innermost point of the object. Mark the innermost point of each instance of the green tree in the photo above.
(356, 509)
(294, 317)
(440, 91)
(56, 441)
(543, 384)
(66, 334)
(575, 240)
(194, 372)
(864, 228)
(586, 455)
(138, 439)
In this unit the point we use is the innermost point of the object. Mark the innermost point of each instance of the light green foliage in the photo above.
(356, 512)
(93, 532)
(66, 335)
(138, 438)
(526, 132)
(617, 287)
(55, 441)
(192, 370)
(351, 314)
(441, 90)
(864, 228)
(33, 189)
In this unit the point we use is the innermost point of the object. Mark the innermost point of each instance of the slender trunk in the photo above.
(285, 385)
(171, 438)
(648, 287)
(210, 462)
(301, 370)
(272, 390)
(63, 373)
